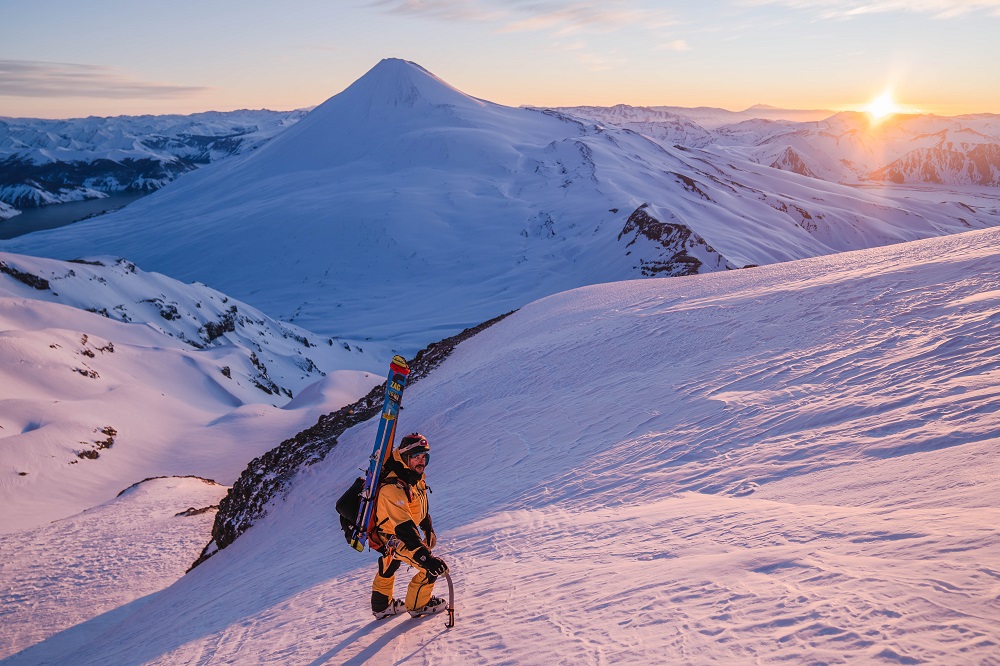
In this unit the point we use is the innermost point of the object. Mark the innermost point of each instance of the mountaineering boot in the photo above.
(395, 607)
(435, 605)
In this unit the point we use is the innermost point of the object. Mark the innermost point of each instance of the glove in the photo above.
(432, 565)
(431, 539)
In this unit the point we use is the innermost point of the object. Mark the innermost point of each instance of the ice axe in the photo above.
(451, 601)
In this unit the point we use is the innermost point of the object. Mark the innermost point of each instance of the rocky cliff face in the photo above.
(976, 165)
(667, 249)
(269, 476)
(790, 160)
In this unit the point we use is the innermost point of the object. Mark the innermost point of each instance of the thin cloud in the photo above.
(32, 78)
(447, 10)
(678, 45)
(595, 17)
(942, 9)
(559, 16)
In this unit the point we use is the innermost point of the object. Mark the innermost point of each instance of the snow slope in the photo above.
(158, 378)
(480, 208)
(55, 576)
(789, 464)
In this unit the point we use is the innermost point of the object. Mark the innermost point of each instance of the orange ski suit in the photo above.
(401, 507)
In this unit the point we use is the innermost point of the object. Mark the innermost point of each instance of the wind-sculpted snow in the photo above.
(55, 576)
(790, 464)
(482, 208)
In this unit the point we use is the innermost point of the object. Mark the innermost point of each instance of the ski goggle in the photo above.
(417, 442)
(423, 454)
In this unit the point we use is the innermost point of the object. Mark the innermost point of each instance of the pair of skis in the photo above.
(399, 372)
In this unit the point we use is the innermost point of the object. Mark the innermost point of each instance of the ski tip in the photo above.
(399, 365)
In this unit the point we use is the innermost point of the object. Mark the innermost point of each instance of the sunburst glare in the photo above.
(883, 106)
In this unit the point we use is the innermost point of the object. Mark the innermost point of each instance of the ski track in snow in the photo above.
(792, 464)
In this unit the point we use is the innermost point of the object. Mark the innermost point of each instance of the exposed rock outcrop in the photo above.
(272, 474)
(790, 160)
(672, 248)
(979, 165)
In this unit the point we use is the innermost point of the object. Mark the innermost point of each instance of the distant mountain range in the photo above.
(845, 147)
(403, 210)
(45, 162)
(706, 118)
(54, 161)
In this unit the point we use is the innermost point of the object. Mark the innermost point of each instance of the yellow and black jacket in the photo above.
(402, 506)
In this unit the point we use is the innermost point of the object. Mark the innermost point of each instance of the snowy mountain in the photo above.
(711, 117)
(965, 163)
(44, 162)
(111, 375)
(845, 147)
(789, 464)
(481, 207)
(913, 149)
(665, 126)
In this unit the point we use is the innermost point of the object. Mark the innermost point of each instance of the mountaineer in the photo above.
(400, 509)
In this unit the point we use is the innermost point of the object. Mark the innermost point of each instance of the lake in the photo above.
(58, 215)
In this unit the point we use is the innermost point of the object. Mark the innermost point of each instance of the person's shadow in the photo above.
(385, 639)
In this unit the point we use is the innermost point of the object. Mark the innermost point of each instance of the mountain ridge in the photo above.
(482, 207)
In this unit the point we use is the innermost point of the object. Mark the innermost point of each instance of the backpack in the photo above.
(348, 506)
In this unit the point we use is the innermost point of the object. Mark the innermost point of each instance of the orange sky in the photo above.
(111, 58)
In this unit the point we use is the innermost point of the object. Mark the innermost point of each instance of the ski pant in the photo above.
(418, 593)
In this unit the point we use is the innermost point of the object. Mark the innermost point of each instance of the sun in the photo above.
(882, 106)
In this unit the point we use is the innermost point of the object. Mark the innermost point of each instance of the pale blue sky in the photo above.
(68, 58)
